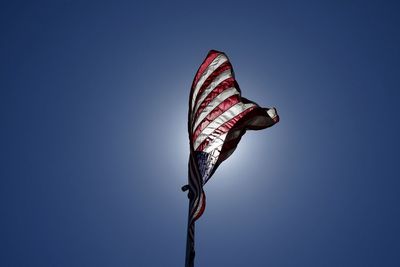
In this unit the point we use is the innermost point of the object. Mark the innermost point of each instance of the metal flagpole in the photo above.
(189, 259)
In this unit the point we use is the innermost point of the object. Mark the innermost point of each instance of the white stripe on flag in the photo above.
(218, 61)
(199, 207)
(214, 103)
(224, 117)
(215, 144)
(219, 79)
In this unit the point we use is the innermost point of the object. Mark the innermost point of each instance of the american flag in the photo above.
(218, 117)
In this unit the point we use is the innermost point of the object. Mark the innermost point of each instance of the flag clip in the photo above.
(187, 188)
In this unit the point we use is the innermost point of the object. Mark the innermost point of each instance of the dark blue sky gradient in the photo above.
(94, 148)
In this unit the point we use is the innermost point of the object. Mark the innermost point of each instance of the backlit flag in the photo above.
(218, 117)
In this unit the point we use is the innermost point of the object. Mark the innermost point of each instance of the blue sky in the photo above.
(94, 148)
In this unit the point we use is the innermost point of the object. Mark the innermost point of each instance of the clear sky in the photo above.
(94, 146)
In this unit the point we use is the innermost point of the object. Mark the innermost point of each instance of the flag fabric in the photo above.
(217, 119)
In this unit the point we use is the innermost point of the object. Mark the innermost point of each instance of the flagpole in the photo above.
(189, 259)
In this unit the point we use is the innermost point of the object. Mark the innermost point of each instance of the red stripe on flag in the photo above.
(224, 128)
(215, 113)
(224, 66)
(200, 208)
(210, 57)
(228, 83)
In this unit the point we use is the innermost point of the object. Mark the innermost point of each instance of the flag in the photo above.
(218, 117)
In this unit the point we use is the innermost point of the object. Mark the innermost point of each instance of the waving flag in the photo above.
(218, 117)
